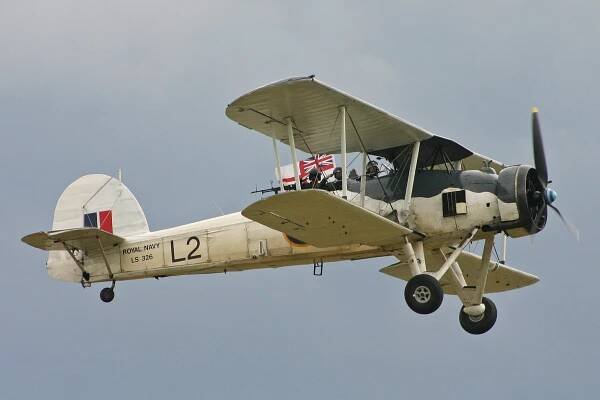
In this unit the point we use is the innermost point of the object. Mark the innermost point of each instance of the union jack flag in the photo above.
(324, 163)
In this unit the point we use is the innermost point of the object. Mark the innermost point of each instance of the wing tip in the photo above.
(36, 239)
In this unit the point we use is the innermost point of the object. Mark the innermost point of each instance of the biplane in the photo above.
(421, 198)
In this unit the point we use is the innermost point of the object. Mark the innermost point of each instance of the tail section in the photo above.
(94, 201)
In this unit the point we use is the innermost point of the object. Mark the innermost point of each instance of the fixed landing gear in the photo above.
(108, 294)
(423, 294)
(476, 325)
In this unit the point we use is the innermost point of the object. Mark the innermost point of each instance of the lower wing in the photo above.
(323, 220)
(500, 278)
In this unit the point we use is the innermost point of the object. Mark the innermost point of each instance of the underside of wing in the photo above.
(323, 220)
(87, 239)
(314, 110)
(500, 278)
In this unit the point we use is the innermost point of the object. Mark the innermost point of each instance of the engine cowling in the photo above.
(520, 201)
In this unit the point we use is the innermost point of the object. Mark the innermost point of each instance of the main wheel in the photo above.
(107, 295)
(423, 294)
(482, 323)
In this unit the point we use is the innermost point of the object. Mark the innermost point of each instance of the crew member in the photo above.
(372, 169)
(314, 176)
(337, 173)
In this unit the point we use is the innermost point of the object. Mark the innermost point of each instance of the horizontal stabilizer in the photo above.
(500, 277)
(324, 220)
(86, 239)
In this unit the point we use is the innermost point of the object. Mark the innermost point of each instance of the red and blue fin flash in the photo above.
(91, 220)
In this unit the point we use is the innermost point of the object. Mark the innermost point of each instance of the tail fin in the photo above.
(95, 201)
(100, 201)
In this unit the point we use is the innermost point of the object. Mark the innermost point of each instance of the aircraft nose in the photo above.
(551, 196)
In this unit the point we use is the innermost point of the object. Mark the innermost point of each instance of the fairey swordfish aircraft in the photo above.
(434, 198)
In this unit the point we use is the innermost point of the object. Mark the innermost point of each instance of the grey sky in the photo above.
(93, 86)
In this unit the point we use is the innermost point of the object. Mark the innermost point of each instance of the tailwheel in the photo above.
(423, 294)
(108, 294)
(476, 325)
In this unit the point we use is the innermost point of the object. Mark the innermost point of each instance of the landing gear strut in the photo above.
(423, 292)
(476, 325)
(108, 294)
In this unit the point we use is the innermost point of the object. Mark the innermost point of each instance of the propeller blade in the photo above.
(539, 156)
(572, 228)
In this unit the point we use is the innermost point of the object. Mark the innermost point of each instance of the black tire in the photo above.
(478, 326)
(423, 294)
(107, 295)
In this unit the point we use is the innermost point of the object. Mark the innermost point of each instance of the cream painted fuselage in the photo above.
(217, 245)
(234, 243)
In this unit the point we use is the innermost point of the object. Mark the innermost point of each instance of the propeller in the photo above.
(539, 156)
(543, 196)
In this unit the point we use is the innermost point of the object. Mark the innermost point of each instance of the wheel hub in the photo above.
(422, 294)
(476, 318)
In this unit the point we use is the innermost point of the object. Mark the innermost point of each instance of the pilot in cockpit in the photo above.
(372, 169)
(337, 173)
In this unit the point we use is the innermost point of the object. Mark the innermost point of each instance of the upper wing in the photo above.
(500, 277)
(476, 161)
(321, 219)
(314, 110)
(80, 238)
